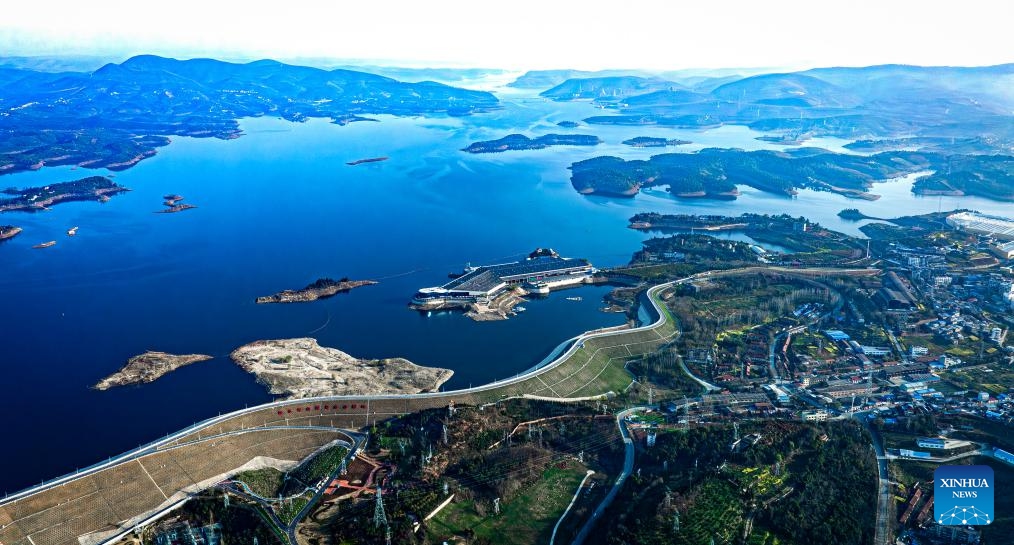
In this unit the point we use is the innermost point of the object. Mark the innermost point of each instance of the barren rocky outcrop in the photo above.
(302, 368)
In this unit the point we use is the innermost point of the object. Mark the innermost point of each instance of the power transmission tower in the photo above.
(676, 523)
(447, 489)
(225, 500)
(496, 506)
(445, 434)
(735, 431)
(651, 395)
(379, 517)
(387, 535)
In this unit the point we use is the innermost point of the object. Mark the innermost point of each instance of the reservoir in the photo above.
(279, 208)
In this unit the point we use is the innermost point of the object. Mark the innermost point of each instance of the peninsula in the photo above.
(9, 231)
(654, 142)
(302, 368)
(34, 199)
(715, 173)
(148, 367)
(522, 142)
(320, 289)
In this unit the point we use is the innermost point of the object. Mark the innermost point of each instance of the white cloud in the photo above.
(588, 34)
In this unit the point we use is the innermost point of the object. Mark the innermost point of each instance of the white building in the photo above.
(982, 224)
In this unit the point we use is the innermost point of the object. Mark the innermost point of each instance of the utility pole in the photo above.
(379, 517)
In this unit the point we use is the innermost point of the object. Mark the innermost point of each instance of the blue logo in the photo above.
(963, 495)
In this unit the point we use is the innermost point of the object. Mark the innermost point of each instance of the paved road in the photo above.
(628, 467)
(577, 493)
(883, 528)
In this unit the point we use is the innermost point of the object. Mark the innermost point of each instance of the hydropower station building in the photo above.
(542, 271)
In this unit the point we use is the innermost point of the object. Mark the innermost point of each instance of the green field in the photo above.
(528, 518)
(593, 369)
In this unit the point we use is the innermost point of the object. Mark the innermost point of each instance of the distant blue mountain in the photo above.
(117, 115)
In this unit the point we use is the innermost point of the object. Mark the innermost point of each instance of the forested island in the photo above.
(33, 199)
(320, 289)
(715, 173)
(9, 231)
(148, 367)
(155, 97)
(522, 142)
(654, 142)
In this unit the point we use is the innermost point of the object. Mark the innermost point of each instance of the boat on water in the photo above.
(45, 244)
(72, 231)
(576, 298)
(520, 309)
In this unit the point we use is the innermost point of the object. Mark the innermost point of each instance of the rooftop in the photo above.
(488, 277)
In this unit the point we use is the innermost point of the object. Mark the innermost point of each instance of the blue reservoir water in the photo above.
(279, 208)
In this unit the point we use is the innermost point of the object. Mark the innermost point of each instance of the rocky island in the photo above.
(148, 367)
(174, 207)
(320, 289)
(9, 231)
(34, 199)
(302, 368)
(522, 142)
(654, 142)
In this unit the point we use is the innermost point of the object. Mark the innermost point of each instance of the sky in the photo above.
(525, 34)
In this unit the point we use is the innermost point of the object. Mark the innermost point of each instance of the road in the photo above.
(628, 467)
(577, 493)
(883, 528)
(707, 385)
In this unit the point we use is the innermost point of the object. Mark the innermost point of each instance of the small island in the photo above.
(9, 231)
(522, 142)
(654, 142)
(302, 368)
(788, 139)
(367, 160)
(320, 289)
(173, 208)
(34, 199)
(148, 367)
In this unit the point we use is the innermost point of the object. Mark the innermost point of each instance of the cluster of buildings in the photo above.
(999, 230)
(541, 272)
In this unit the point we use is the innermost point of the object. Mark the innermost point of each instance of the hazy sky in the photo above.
(519, 34)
